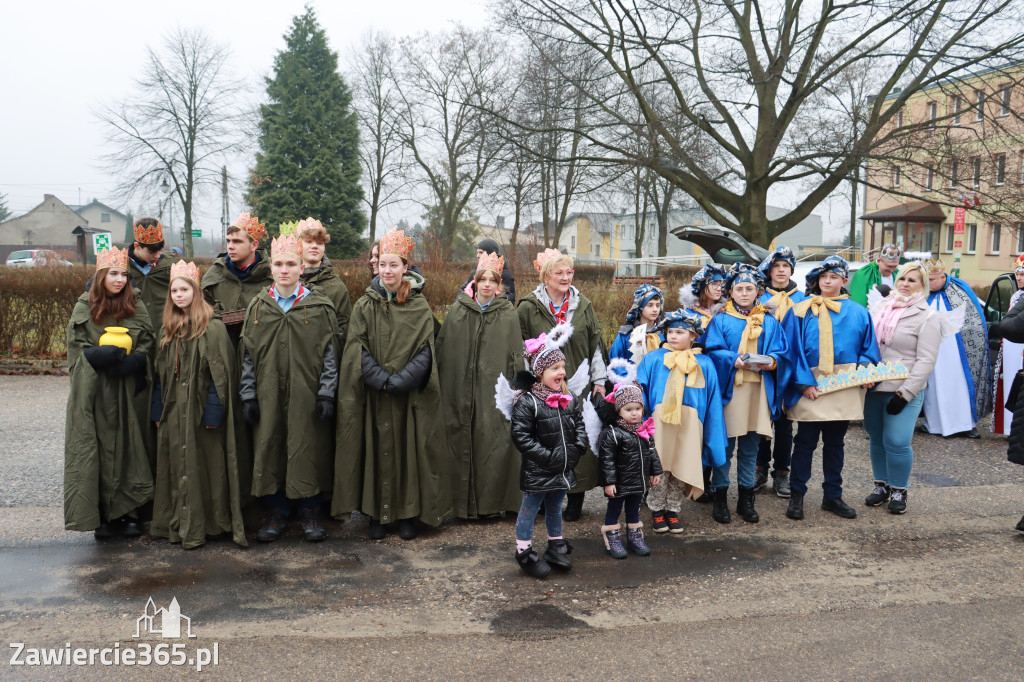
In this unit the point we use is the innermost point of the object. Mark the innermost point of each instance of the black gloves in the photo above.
(103, 357)
(896, 404)
(324, 408)
(251, 410)
(132, 363)
(883, 289)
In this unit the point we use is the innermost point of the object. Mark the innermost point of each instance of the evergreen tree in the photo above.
(5, 212)
(308, 158)
(129, 228)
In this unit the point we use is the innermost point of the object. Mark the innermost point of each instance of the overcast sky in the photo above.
(60, 60)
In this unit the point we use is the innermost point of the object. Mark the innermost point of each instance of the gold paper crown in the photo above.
(288, 228)
(286, 243)
(935, 265)
(251, 225)
(543, 256)
(396, 243)
(185, 270)
(307, 224)
(491, 261)
(149, 235)
(112, 258)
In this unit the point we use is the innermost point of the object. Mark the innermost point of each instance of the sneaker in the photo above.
(674, 525)
(312, 529)
(659, 524)
(838, 507)
(898, 501)
(760, 479)
(781, 486)
(878, 496)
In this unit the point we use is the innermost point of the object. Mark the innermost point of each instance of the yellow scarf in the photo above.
(705, 315)
(685, 371)
(653, 342)
(782, 301)
(826, 351)
(748, 344)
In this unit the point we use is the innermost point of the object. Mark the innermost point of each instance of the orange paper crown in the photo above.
(396, 243)
(149, 235)
(307, 224)
(543, 256)
(286, 243)
(251, 225)
(491, 261)
(112, 258)
(935, 265)
(185, 270)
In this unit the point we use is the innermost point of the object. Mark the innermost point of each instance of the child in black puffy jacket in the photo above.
(629, 463)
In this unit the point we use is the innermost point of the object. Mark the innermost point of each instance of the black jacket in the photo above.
(551, 442)
(627, 460)
(1012, 329)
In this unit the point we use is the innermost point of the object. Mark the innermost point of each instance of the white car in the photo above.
(36, 258)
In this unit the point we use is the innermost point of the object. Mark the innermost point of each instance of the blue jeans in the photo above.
(833, 435)
(552, 514)
(781, 444)
(891, 454)
(745, 447)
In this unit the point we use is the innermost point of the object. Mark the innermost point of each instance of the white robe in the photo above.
(950, 413)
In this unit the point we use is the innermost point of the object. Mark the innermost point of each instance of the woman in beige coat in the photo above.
(908, 330)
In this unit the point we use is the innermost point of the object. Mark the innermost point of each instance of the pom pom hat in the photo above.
(251, 225)
(185, 271)
(112, 258)
(546, 349)
(148, 235)
(397, 244)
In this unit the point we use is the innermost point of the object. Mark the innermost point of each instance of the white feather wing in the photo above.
(592, 422)
(580, 379)
(504, 396)
(951, 321)
(875, 301)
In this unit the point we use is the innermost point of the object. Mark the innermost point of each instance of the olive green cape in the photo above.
(293, 449)
(153, 287)
(392, 459)
(107, 473)
(473, 349)
(535, 319)
(231, 293)
(334, 288)
(200, 483)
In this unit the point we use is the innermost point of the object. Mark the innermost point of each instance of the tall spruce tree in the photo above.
(308, 160)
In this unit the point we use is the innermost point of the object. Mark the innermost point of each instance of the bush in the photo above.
(35, 306)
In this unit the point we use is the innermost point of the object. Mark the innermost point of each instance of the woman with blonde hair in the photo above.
(198, 491)
(556, 301)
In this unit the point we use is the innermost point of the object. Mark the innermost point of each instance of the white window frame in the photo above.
(1020, 238)
(950, 237)
(971, 235)
(958, 107)
(1004, 101)
(954, 170)
(896, 176)
(1000, 175)
(995, 238)
(929, 176)
(933, 114)
(572, 241)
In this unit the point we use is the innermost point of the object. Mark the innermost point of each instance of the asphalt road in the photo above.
(935, 594)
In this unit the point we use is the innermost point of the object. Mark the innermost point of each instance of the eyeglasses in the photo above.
(563, 273)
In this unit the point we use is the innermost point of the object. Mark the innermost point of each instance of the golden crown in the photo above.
(251, 225)
(288, 228)
(149, 235)
(286, 243)
(307, 224)
(112, 258)
(395, 242)
(544, 256)
(492, 262)
(185, 270)
(935, 265)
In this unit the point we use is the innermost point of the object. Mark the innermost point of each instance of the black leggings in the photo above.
(632, 502)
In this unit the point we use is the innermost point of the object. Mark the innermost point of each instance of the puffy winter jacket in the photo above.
(627, 460)
(551, 441)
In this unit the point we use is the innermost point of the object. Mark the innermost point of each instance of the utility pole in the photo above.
(224, 207)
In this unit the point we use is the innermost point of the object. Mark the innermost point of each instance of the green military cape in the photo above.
(107, 473)
(231, 293)
(474, 347)
(392, 459)
(153, 287)
(334, 288)
(535, 319)
(200, 483)
(293, 449)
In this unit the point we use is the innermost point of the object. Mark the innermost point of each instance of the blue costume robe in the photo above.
(722, 340)
(620, 346)
(795, 297)
(652, 375)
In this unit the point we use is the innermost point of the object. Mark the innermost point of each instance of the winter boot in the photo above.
(795, 510)
(312, 528)
(720, 510)
(659, 521)
(105, 531)
(376, 530)
(272, 529)
(407, 529)
(878, 496)
(574, 507)
(558, 554)
(130, 528)
(760, 479)
(612, 542)
(708, 495)
(838, 507)
(745, 505)
(635, 539)
(532, 564)
(1020, 525)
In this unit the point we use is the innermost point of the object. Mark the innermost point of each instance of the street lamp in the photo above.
(166, 187)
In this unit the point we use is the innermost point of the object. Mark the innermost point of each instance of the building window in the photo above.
(997, 233)
(896, 176)
(597, 251)
(929, 176)
(1004, 101)
(899, 118)
(573, 242)
(1020, 238)
(958, 106)
(972, 237)
(933, 113)
(104, 217)
(1001, 169)
(979, 106)
(949, 238)
(976, 172)
(954, 171)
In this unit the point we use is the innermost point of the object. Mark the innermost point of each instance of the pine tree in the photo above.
(129, 228)
(5, 212)
(308, 163)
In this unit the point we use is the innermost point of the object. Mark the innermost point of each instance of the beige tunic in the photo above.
(748, 410)
(680, 447)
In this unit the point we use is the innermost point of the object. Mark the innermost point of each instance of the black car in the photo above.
(998, 304)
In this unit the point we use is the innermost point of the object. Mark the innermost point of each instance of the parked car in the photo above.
(36, 258)
(998, 304)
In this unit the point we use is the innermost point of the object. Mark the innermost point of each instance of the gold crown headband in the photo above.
(185, 271)
(396, 243)
(112, 258)
(491, 261)
(934, 265)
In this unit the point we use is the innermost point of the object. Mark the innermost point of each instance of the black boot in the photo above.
(574, 507)
(130, 528)
(105, 531)
(1020, 524)
(312, 528)
(275, 525)
(720, 510)
(708, 495)
(745, 505)
(795, 510)
(407, 529)
(558, 554)
(532, 564)
(376, 530)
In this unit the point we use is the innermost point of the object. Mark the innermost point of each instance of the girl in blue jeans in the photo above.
(907, 330)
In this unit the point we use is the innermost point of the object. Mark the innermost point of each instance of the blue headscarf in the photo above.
(641, 297)
(741, 272)
(682, 319)
(707, 274)
(783, 253)
(831, 264)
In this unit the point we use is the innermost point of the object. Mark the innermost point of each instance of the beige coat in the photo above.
(916, 343)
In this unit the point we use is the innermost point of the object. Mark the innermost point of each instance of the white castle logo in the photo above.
(164, 622)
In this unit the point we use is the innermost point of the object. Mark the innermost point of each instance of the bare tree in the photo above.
(181, 123)
(744, 72)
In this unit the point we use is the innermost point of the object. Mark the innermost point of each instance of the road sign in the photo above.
(197, 233)
(100, 241)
